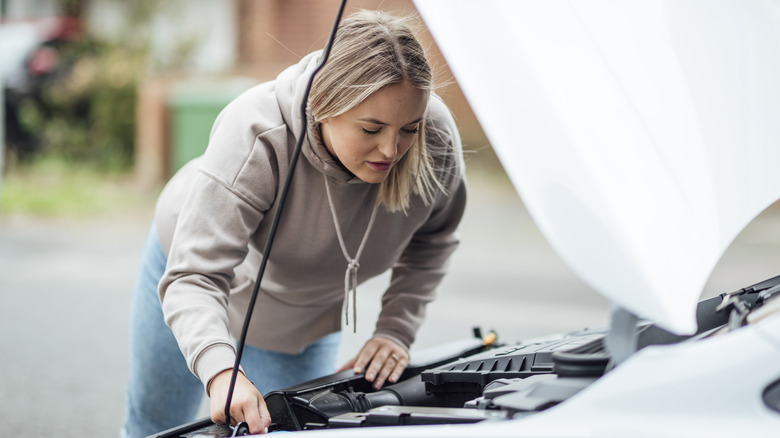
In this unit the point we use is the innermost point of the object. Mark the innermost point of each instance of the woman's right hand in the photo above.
(247, 404)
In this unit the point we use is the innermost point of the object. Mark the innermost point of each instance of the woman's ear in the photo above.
(325, 132)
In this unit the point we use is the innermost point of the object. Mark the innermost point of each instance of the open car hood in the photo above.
(642, 136)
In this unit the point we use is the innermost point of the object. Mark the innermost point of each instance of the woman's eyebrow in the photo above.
(372, 121)
(379, 122)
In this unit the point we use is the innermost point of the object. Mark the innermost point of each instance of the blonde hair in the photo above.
(372, 50)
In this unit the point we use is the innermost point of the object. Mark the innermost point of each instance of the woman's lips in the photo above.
(380, 166)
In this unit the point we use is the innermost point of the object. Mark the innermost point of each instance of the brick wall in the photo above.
(281, 31)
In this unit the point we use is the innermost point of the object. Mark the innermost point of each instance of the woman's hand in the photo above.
(247, 404)
(385, 361)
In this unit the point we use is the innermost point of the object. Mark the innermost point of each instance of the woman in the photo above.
(379, 186)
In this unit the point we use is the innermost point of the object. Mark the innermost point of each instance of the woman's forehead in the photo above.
(396, 104)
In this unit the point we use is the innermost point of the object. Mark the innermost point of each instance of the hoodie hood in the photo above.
(290, 88)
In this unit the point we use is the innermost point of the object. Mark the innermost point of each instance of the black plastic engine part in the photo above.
(587, 360)
(310, 404)
(311, 409)
(707, 315)
(458, 382)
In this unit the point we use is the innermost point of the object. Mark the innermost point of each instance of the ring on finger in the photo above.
(395, 357)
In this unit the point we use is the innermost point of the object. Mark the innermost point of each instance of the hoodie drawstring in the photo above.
(350, 276)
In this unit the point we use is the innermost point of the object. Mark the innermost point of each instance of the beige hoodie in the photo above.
(214, 215)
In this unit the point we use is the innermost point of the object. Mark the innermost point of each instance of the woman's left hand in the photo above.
(382, 359)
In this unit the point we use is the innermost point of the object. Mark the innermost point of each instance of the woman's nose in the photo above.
(389, 147)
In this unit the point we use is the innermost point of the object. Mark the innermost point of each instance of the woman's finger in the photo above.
(391, 369)
(401, 361)
(257, 417)
(365, 356)
(376, 365)
(386, 368)
(382, 359)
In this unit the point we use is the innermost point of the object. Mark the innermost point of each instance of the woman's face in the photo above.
(369, 139)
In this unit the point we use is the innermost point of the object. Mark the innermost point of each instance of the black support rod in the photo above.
(278, 214)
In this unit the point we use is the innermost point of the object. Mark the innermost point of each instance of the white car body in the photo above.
(643, 136)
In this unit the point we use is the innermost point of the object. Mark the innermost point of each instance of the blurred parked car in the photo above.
(33, 54)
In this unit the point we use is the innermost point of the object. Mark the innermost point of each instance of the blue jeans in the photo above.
(162, 392)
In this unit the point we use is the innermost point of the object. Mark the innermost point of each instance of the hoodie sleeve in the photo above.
(228, 195)
(423, 263)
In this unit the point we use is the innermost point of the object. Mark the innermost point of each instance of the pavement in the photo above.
(66, 286)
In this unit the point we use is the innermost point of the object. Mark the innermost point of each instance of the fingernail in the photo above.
(369, 377)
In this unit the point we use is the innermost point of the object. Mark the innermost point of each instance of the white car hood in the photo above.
(643, 136)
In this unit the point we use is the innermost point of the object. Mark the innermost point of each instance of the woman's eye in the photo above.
(371, 132)
(414, 130)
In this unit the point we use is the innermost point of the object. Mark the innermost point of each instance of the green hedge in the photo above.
(86, 112)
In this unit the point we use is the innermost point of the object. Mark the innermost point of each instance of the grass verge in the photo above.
(52, 188)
